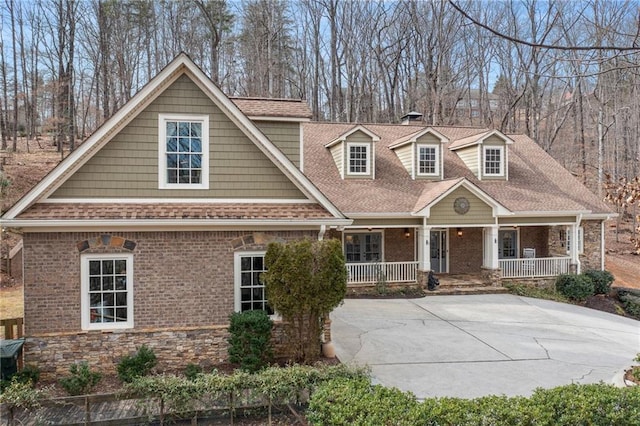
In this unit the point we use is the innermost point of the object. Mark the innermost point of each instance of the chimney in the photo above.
(411, 117)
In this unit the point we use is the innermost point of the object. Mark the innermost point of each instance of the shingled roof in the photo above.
(537, 183)
(262, 107)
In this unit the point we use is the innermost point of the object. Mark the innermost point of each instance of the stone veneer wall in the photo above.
(183, 288)
(591, 257)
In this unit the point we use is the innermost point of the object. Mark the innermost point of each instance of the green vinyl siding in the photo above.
(127, 166)
(404, 155)
(284, 135)
(429, 139)
(470, 158)
(337, 152)
(494, 140)
(480, 213)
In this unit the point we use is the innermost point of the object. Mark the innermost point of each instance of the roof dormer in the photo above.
(485, 154)
(354, 153)
(421, 154)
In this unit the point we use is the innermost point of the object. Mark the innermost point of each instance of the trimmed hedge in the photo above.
(250, 340)
(358, 403)
(575, 287)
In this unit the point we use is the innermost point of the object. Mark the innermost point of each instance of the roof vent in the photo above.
(411, 117)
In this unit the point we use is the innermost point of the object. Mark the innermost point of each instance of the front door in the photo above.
(438, 247)
(507, 244)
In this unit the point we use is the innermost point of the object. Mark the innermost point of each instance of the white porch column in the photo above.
(573, 246)
(424, 258)
(491, 247)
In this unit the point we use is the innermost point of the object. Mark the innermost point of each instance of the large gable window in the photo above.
(183, 152)
(107, 291)
(358, 159)
(428, 164)
(493, 161)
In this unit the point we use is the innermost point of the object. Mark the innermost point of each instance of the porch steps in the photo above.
(464, 284)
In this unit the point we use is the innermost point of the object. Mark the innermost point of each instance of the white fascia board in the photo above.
(344, 136)
(547, 213)
(279, 119)
(212, 201)
(164, 224)
(498, 133)
(414, 137)
(602, 216)
(260, 140)
(382, 215)
(99, 138)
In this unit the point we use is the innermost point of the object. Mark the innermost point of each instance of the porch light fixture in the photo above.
(407, 233)
(459, 232)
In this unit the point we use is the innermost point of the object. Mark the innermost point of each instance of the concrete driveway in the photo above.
(470, 346)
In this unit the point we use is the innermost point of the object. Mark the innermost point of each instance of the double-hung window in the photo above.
(428, 164)
(358, 159)
(580, 240)
(493, 161)
(183, 151)
(107, 291)
(250, 294)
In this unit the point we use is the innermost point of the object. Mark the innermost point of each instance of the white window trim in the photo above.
(580, 240)
(85, 310)
(437, 155)
(484, 160)
(162, 145)
(367, 171)
(237, 280)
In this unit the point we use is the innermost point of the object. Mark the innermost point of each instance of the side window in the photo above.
(183, 148)
(428, 164)
(580, 240)
(107, 291)
(249, 290)
(358, 161)
(493, 161)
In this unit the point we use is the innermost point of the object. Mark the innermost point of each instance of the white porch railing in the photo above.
(534, 267)
(391, 272)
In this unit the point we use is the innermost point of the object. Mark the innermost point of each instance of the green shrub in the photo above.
(601, 280)
(81, 380)
(138, 365)
(357, 402)
(575, 287)
(250, 340)
(28, 374)
(192, 371)
(630, 301)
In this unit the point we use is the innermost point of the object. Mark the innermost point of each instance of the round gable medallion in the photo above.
(461, 205)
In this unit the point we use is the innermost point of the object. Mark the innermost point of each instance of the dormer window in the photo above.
(358, 159)
(428, 156)
(494, 161)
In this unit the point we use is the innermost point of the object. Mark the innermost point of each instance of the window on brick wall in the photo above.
(250, 293)
(107, 291)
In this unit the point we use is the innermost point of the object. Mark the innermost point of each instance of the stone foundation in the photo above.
(174, 348)
(541, 282)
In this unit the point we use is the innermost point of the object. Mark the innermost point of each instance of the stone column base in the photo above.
(422, 278)
(573, 268)
(492, 277)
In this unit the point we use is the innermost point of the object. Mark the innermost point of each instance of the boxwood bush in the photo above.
(137, 365)
(575, 287)
(601, 280)
(250, 340)
(359, 403)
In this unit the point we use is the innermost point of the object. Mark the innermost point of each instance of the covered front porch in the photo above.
(405, 255)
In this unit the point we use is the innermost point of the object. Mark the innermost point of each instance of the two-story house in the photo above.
(154, 230)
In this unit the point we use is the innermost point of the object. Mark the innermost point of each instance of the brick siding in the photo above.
(181, 281)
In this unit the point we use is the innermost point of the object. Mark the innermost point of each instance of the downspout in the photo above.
(601, 245)
(575, 244)
(323, 229)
